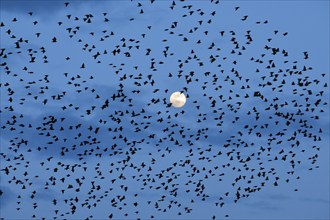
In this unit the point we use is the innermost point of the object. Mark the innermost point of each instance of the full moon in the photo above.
(178, 99)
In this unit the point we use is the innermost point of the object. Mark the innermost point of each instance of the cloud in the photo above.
(43, 8)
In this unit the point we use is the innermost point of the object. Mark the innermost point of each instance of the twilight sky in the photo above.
(87, 130)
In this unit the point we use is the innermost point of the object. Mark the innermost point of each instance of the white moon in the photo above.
(178, 99)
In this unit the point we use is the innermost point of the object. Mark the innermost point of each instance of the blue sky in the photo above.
(209, 130)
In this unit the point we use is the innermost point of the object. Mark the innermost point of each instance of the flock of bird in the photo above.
(71, 144)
